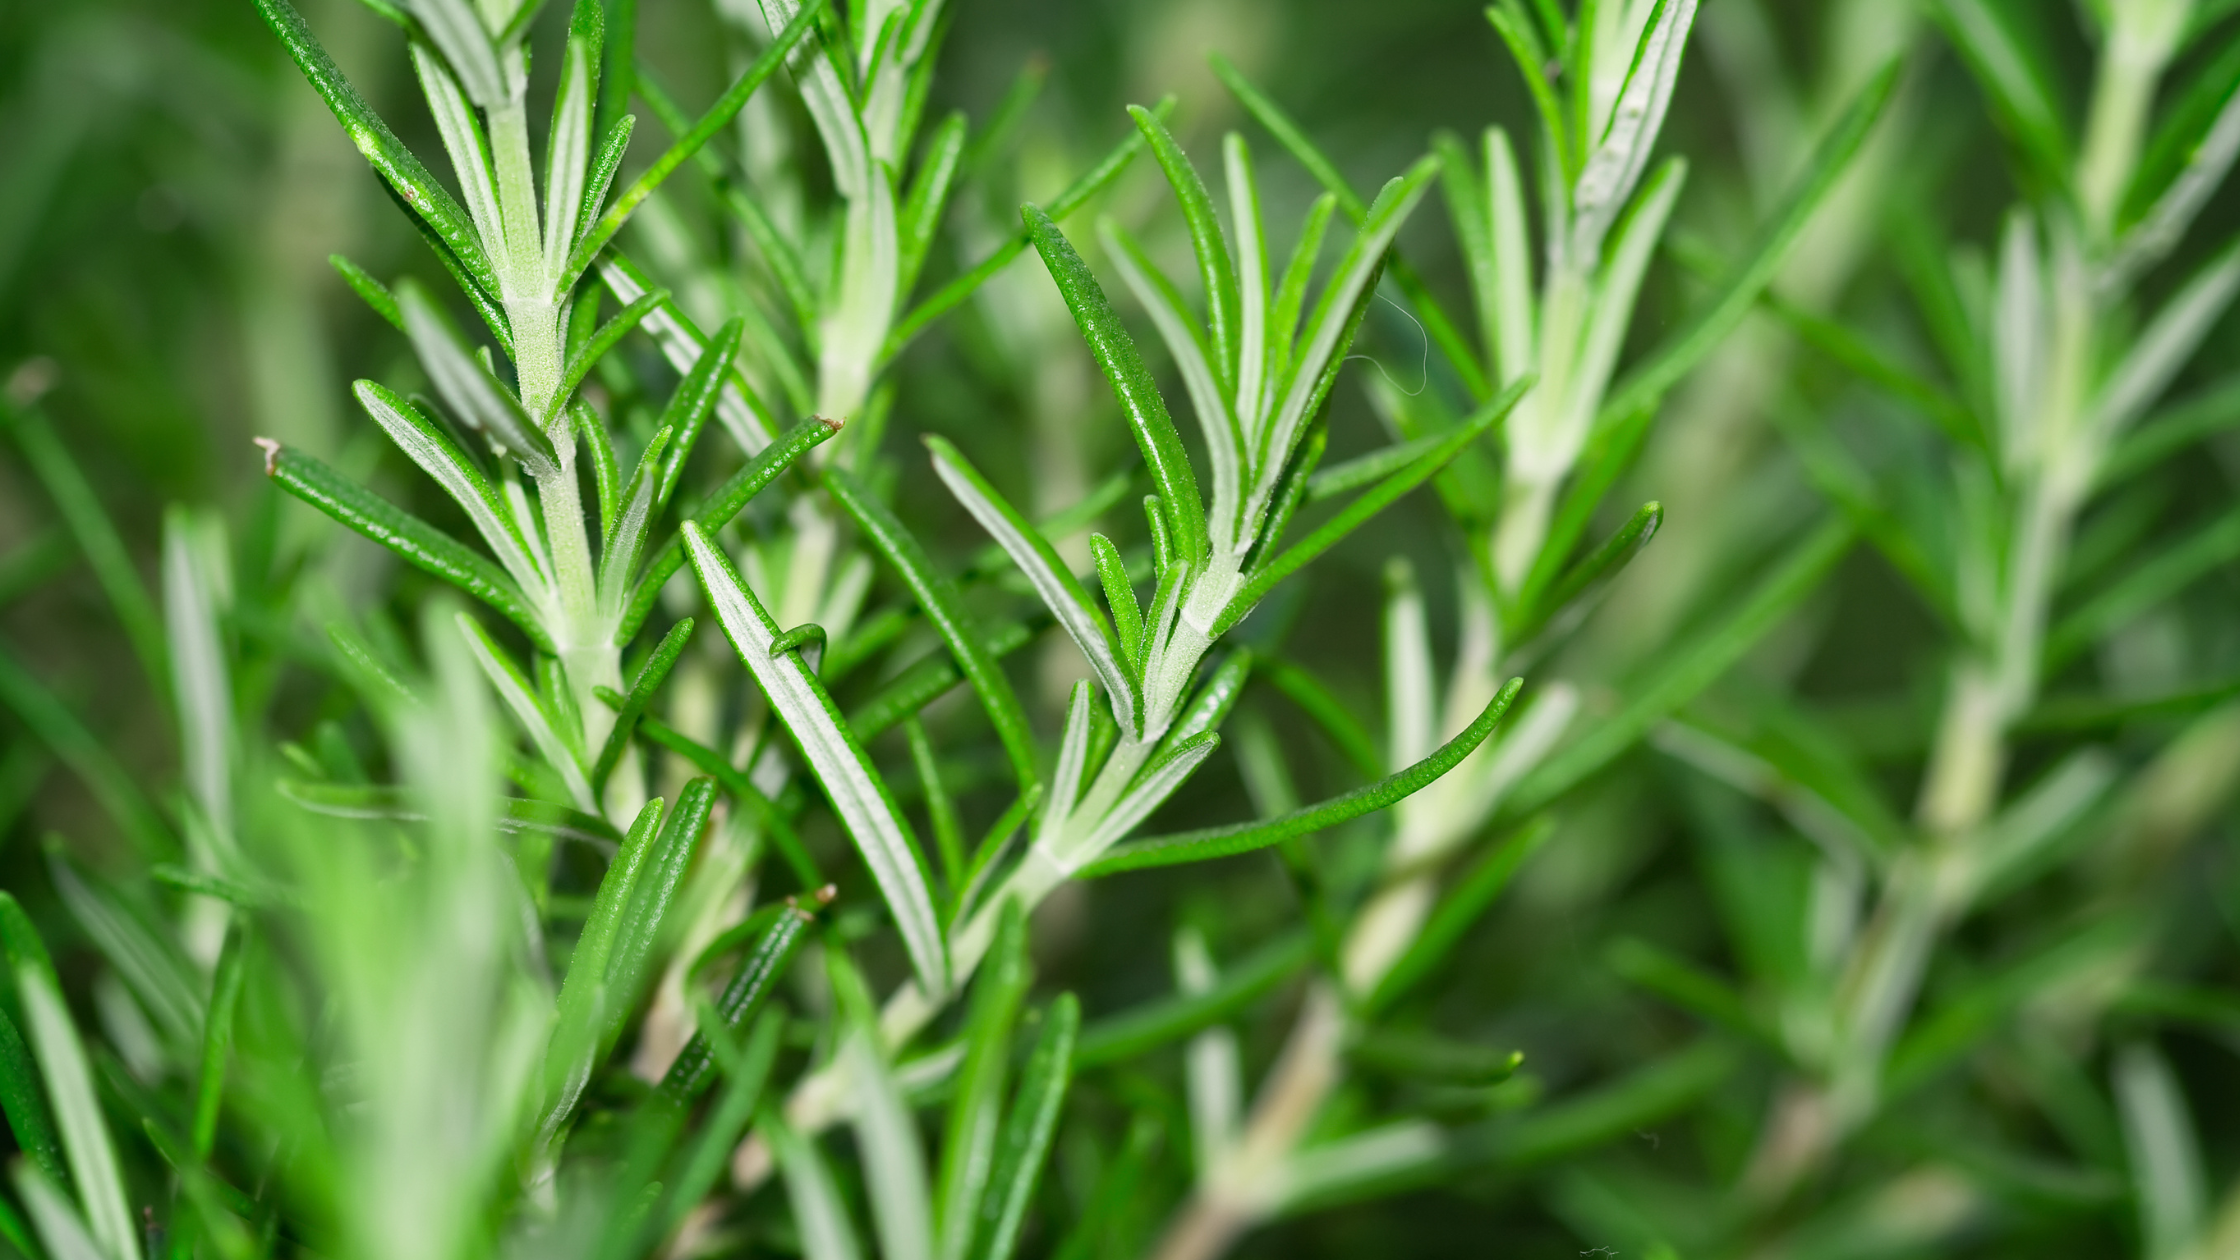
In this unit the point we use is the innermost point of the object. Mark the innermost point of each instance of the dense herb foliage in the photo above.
(950, 629)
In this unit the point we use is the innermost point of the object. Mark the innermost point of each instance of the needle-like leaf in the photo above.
(858, 793)
(1215, 270)
(969, 1143)
(418, 543)
(606, 338)
(650, 677)
(1028, 1131)
(1220, 842)
(61, 1056)
(446, 222)
(1115, 353)
(429, 445)
(584, 1001)
(529, 709)
(1061, 592)
(638, 930)
(689, 407)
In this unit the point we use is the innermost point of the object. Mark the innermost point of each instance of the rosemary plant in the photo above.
(1854, 900)
(2054, 378)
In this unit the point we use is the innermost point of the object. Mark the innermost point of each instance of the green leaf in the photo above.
(1616, 159)
(820, 1217)
(744, 997)
(944, 606)
(716, 511)
(992, 845)
(1291, 291)
(927, 681)
(1606, 1113)
(780, 258)
(428, 444)
(1116, 355)
(1132, 1033)
(601, 179)
(1216, 272)
(649, 680)
(418, 543)
(1686, 985)
(1119, 596)
(447, 225)
(1436, 322)
(1361, 510)
(1459, 911)
(1948, 413)
(2172, 430)
(1026, 1135)
(2190, 154)
(1517, 35)
(1679, 354)
(584, 1001)
(1364, 469)
(969, 1140)
(143, 954)
(2166, 344)
(375, 294)
(1209, 395)
(1599, 566)
(718, 117)
(638, 930)
(1686, 670)
(1425, 1057)
(568, 156)
(1330, 328)
(61, 1056)
(23, 1096)
(920, 214)
(634, 511)
(555, 739)
(456, 28)
(858, 794)
(743, 414)
(1219, 842)
(59, 1225)
(941, 810)
(2168, 1181)
(1061, 592)
(710, 1154)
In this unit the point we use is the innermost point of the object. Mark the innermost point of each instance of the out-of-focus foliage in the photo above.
(1027, 764)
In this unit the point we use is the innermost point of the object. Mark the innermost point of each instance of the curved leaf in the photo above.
(1220, 842)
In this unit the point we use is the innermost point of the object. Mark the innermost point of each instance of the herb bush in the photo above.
(1560, 630)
